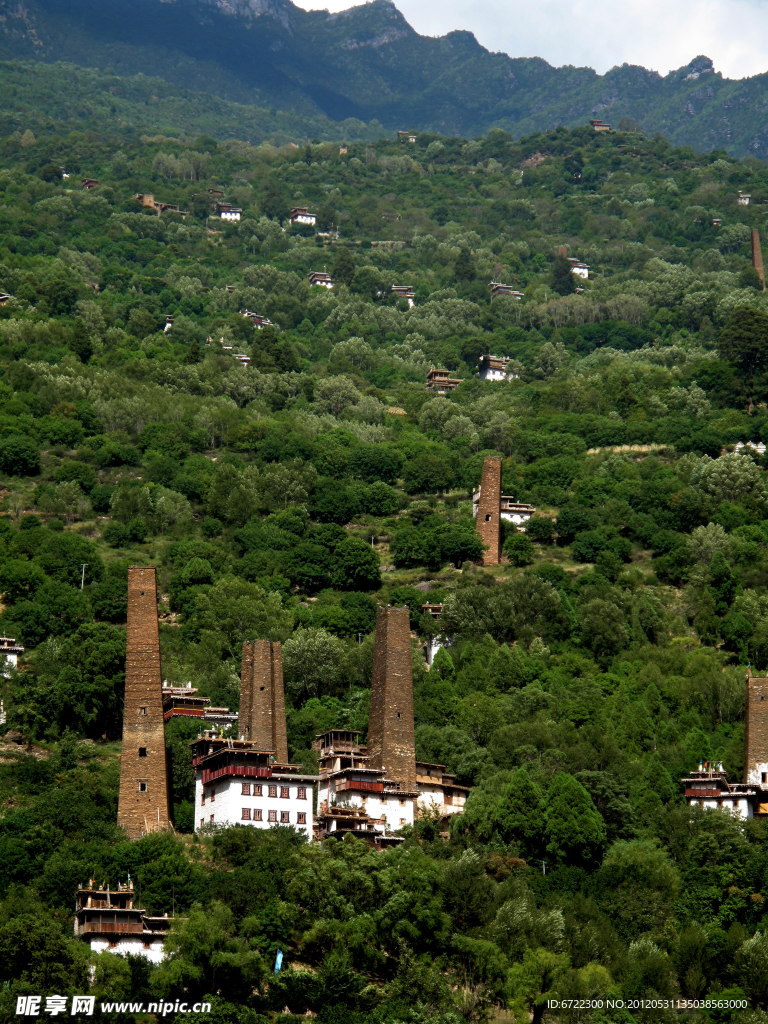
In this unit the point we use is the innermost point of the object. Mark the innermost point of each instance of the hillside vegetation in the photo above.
(579, 679)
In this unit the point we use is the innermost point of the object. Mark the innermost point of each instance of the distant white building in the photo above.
(404, 291)
(321, 278)
(109, 922)
(708, 787)
(500, 291)
(228, 212)
(756, 446)
(494, 367)
(301, 215)
(578, 268)
(237, 783)
(743, 198)
(9, 654)
(513, 511)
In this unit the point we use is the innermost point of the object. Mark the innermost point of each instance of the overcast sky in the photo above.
(658, 34)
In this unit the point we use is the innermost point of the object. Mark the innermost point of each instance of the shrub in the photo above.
(19, 456)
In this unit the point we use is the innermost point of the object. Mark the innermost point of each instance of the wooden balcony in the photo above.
(111, 928)
(359, 784)
(229, 770)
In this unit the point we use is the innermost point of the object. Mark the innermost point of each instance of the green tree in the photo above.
(519, 816)
(235, 610)
(464, 268)
(744, 340)
(563, 279)
(343, 270)
(356, 566)
(575, 831)
(19, 456)
(520, 549)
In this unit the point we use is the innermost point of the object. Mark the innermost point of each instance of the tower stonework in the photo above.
(143, 804)
(489, 510)
(757, 256)
(756, 733)
(391, 741)
(262, 697)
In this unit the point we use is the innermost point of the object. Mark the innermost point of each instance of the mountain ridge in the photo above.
(368, 63)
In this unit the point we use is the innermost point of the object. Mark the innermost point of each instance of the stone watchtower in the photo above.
(391, 742)
(756, 733)
(262, 698)
(144, 804)
(489, 510)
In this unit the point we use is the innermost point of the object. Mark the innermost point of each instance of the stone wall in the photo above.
(489, 510)
(144, 803)
(262, 697)
(391, 743)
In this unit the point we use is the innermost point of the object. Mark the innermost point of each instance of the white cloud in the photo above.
(657, 34)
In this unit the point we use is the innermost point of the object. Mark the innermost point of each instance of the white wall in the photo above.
(398, 811)
(134, 944)
(227, 805)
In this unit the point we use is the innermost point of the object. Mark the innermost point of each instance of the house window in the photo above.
(143, 710)
(301, 793)
(246, 789)
(285, 817)
(142, 751)
(764, 777)
(246, 815)
(273, 790)
(719, 803)
(257, 814)
(213, 795)
(285, 792)
(142, 787)
(302, 818)
(257, 790)
(272, 815)
(448, 799)
(202, 822)
(211, 819)
(202, 799)
(402, 801)
(488, 518)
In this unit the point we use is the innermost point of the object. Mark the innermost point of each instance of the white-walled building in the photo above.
(320, 278)
(500, 291)
(743, 198)
(494, 368)
(353, 798)
(513, 511)
(9, 654)
(404, 291)
(238, 783)
(578, 268)
(228, 212)
(301, 215)
(109, 922)
(708, 787)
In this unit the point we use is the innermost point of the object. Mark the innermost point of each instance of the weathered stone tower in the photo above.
(144, 804)
(757, 255)
(756, 732)
(489, 510)
(391, 742)
(262, 697)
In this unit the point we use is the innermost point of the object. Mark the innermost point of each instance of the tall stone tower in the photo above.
(757, 255)
(391, 742)
(262, 697)
(756, 732)
(144, 804)
(489, 510)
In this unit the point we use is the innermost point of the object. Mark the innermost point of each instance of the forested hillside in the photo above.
(579, 679)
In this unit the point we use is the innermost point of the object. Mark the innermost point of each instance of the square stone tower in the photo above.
(262, 698)
(757, 256)
(489, 510)
(391, 742)
(144, 804)
(756, 733)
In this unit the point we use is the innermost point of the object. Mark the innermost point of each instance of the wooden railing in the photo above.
(210, 774)
(368, 787)
(129, 928)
